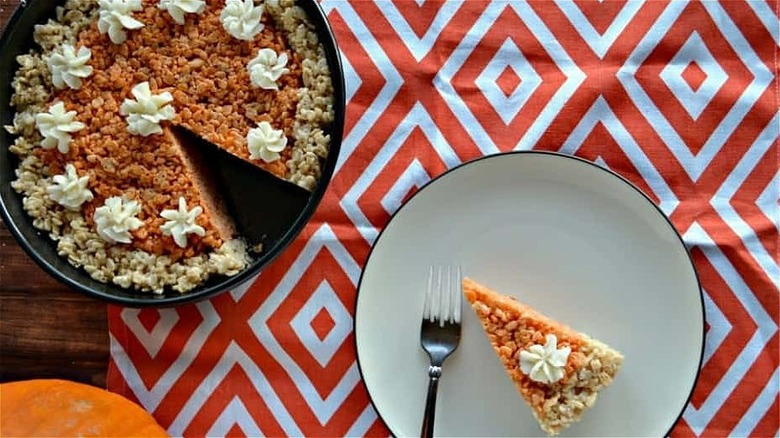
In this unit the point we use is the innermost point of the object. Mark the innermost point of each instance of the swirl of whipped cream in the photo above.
(182, 222)
(116, 218)
(69, 190)
(545, 364)
(145, 113)
(117, 15)
(266, 68)
(177, 8)
(265, 142)
(241, 18)
(68, 67)
(56, 126)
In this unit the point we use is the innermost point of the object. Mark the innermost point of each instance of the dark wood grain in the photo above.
(6, 9)
(46, 329)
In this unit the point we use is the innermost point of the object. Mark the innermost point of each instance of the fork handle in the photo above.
(434, 372)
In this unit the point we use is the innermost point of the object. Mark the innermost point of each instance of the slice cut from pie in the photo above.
(557, 370)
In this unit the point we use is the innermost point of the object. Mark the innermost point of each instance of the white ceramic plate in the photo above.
(563, 235)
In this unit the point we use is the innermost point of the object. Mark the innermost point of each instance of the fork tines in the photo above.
(443, 304)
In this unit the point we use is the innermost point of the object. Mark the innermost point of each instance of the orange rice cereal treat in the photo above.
(557, 370)
(101, 169)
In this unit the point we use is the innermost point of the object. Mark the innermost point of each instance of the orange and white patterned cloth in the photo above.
(679, 97)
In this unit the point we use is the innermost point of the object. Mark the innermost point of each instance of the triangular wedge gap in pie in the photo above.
(556, 402)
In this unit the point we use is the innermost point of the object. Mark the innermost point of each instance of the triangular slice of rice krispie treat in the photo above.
(557, 370)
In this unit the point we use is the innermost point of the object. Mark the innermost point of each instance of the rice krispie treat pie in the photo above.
(102, 170)
(557, 370)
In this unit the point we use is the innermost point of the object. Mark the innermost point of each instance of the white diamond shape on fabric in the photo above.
(235, 413)
(151, 398)
(694, 165)
(598, 42)
(694, 51)
(323, 298)
(151, 340)
(414, 176)
(443, 80)
(508, 55)
(323, 238)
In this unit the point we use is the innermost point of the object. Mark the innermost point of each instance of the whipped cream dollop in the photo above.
(145, 113)
(69, 189)
(68, 66)
(182, 222)
(117, 15)
(116, 218)
(177, 8)
(545, 364)
(265, 142)
(241, 18)
(266, 68)
(56, 126)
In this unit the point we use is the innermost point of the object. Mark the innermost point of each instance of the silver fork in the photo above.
(439, 332)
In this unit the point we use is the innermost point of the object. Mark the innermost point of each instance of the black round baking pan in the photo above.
(293, 207)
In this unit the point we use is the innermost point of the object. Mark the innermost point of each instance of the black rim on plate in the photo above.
(555, 154)
(16, 39)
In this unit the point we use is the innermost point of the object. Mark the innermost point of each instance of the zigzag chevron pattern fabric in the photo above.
(681, 98)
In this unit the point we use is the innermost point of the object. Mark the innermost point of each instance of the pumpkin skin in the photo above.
(54, 408)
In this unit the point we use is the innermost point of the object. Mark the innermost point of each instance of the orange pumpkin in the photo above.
(51, 407)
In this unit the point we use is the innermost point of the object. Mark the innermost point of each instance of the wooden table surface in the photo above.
(46, 329)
